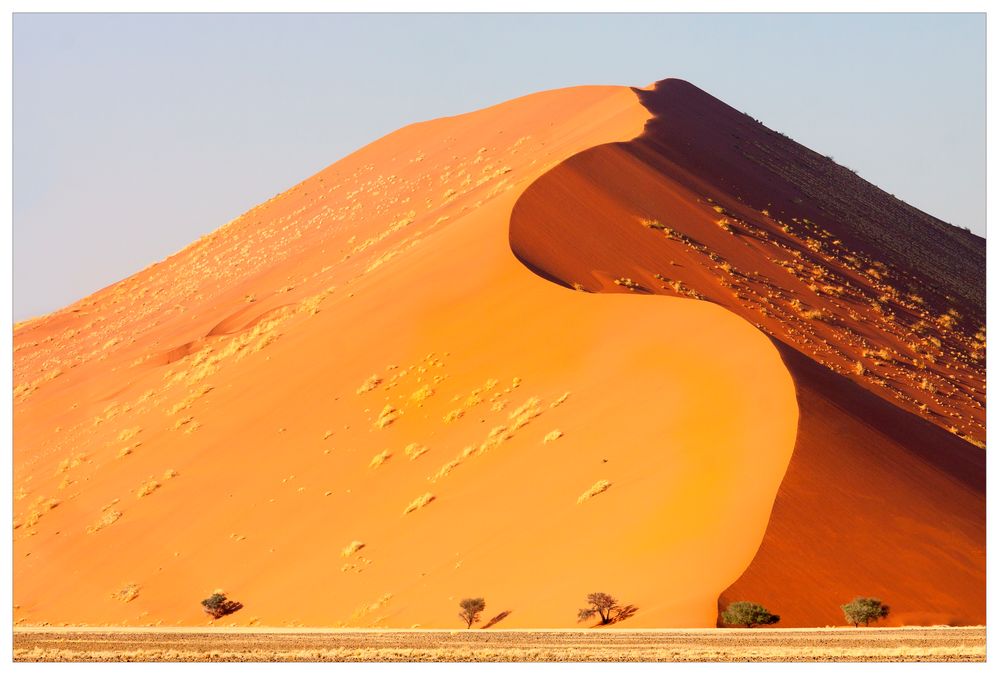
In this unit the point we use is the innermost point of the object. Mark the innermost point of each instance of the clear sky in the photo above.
(136, 134)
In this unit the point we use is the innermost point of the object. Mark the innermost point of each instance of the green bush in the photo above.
(748, 614)
(218, 605)
(864, 610)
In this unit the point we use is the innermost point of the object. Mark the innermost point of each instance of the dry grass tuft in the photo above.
(379, 459)
(147, 488)
(560, 400)
(352, 548)
(190, 399)
(419, 502)
(128, 434)
(39, 508)
(454, 415)
(595, 489)
(387, 416)
(527, 411)
(108, 517)
(496, 436)
(128, 593)
(421, 394)
(414, 450)
(369, 384)
(553, 435)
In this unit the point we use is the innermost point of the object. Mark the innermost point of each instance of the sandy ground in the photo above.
(812, 645)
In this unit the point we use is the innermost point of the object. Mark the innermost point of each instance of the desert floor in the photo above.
(267, 644)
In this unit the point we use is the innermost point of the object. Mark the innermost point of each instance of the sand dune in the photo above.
(336, 407)
(359, 402)
(874, 306)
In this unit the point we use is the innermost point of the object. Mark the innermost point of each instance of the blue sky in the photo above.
(135, 134)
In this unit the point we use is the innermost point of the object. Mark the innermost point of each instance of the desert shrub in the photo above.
(602, 605)
(471, 608)
(864, 610)
(748, 614)
(218, 605)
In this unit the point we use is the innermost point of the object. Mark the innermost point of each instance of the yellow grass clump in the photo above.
(387, 416)
(527, 411)
(108, 517)
(455, 414)
(444, 470)
(189, 399)
(595, 489)
(419, 502)
(369, 384)
(421, 394)
(128, 434)
(39, 507)
(379, 459)
(414, 450)
(560, 400)
(552, 435)
(147, 488)
(496, 436)
(128, 593)
(352, 548)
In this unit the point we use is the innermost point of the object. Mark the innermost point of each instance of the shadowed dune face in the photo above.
(875, 306)
(354, 406)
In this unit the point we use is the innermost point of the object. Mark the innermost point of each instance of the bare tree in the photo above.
(600, 604)
(471, 608)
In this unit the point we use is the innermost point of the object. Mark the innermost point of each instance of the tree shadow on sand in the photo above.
(496, 619)
(625, 612)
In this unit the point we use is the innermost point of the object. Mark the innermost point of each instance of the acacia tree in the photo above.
(748, 614)
(864, 610)
(471, 608)
(600, 604)
(218, 605)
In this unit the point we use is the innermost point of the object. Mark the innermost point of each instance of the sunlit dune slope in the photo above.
(877, 310)
(354, 406)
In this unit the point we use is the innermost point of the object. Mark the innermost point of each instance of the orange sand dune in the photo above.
(354, 406)
(876, 308)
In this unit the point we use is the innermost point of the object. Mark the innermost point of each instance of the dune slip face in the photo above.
(353, 406)
(876, 308)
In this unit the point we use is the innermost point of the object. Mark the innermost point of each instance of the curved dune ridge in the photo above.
(353, 406)
(876, 308)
